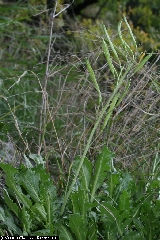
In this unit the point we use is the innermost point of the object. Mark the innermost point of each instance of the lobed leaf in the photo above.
(78, 226)
(102, 166)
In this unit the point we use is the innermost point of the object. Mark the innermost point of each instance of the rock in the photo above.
(9, 153)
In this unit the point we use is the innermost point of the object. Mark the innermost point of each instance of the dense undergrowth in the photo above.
(105, 202)
(88, 96)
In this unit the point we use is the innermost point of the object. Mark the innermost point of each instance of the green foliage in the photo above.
(30, 201)
(105, 203)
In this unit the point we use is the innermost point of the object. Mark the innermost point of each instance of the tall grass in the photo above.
(66, 105)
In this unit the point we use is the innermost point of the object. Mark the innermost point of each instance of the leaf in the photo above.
(148, 218)
(125, 183)
(133, 235)
(9, 221)
(48, 199)
(65, 233)
(124, 201)
(142, 63)
(1, 125)
(16, 189)
(30, 180)
(86, 173)
(75, 204)
(138, 224)
(42, 232)
(80, 202)
(50, 212)
(78, 226)
(102, 166)
(11, 205)
(26, 221)
(8, 169)
(27, 162)
(109, 211)
(112, 216)
(156, 209)
(92, 231)
(113, 181)
(2, 214)
(37, 159)
(39, 212)
(12, 226)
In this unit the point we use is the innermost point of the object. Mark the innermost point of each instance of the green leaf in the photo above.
(7, 219)
(102, 166)
(142, 63)
(86, 173)
(65, 233)
(110, 211)
(78, 226)
(27, 162)
(92, 231)
(30, 180)
(37, 159)
(2, 214)
(1, 125)
(50, 212)
(48, 199)
(80, 202)
(42, 232)
(133, 235)
(125, 183)
(124, 201)
(12, 226)
(113, 181)
(39, 211)
(8, 169)
(147, 216)
(11, 205)
(112, 216)
(156, 209)
(12, 184)
(138, 225)
(27, 221)
(75, 203)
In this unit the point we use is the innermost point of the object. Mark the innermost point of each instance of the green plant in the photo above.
(105, 202)
(115, 99)
(30, 200)
(79, 107)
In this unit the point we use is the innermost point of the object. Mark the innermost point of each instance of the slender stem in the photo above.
(43, 113)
